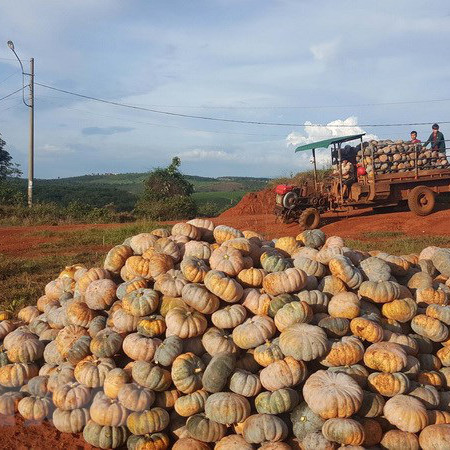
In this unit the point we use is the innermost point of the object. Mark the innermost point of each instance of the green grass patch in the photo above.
(382, 234)
(400, 246)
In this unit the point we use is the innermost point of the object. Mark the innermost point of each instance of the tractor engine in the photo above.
(299, 204)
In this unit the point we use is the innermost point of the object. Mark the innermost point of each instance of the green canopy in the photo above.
(325, 143)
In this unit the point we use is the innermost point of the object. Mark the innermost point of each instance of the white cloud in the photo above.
(208, 155)
(325, 51)
(332, 129)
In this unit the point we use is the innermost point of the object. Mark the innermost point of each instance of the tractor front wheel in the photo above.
(309, 219)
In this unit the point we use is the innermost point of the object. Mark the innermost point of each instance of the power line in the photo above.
(220, 119)
(9, 76)
(160, 124)
(12, 93)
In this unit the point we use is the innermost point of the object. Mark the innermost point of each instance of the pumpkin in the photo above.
(260, 428)
(332, 395)
(429, 327)
(217, 371)
(71, 396)
(17, 374)
(100, 294)
(388, 384)
(67, 337)
(344, 431)
(129, 286)
(345, 305)
(198, 249)
(428, 395)
(224, 233)
(268, 353)
(114, 380)
(217, 341)
(227, 407)
(229, 317)
(188, 405)
(186, 229)
(402, 310)
(331, 285)
(385, 356)
(116, 257)
(199, 298)
(289, 280)
(108, 411)
(223, 286)
(135, 398)
(72, 421)
(187, 372)
(430, 296)
(194, 269)
(399, 440)
(139, 347)
(92, 371)
(168, 350)
(366, 329)
(274, 261)
(277, 402)
(227, 259)
(9, 402)
(436, 417)
(372, 405)
(253, 332)
(149, 421)
(347, 351)
(256, 302)
(35, 408)
(334, 326)
(303, 342)
(292, 312)
(284, 373)
(310, 266)
(106, 343)
(167, 247)
(26, 351)
(185, 324)
(439, 312)
(188, 443)
(151, 326)
(171, 283)
(141, 302)
(104, 436)
(157, 441)
(342, 268)
(406, 413)
(251, 277)
(245, 383)
(379, 291)
(233, 442)
(151, 376)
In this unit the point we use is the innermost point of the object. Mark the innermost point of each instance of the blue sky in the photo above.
(289, 61)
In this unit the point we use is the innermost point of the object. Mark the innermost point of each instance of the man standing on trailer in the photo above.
(436, 139)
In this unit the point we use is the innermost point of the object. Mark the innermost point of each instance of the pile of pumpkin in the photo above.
(208, 337)
(399, 156)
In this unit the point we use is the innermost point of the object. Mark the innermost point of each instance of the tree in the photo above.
(8, 194)
(167, 194)
(7, 167)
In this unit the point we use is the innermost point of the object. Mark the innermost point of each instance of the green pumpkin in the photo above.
(276, 303)
(217, 372)
(104, 436)
(305, 421)
(277, 402)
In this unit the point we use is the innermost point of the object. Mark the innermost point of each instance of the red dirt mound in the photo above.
(253, 203)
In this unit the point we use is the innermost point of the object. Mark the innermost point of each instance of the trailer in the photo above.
(418, 185)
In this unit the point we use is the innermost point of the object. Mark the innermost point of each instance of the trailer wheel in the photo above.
(309, 219)
(421, 201)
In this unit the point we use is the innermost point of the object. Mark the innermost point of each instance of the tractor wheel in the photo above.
(421, 201)
(309, 219)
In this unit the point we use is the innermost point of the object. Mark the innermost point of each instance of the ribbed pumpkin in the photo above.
(227, 408)
(92, 371)
(100, 294)
(156, 441)
(252, 277)
(332, 395)
(151, 326)
(17, 374)
(187, 372)
(229, 317)
(388, 384)
(116, 257)
(35, 409)
(224, 287)
(293, 312)
(287, 372)
(254, 332)
(245, 383)
(345, 305)
(224, 233)
(9, 402)
(277, 402)
(344, 431)
(168, 350)
(114, 380)
(385, 356)
(72, 421)
(199, 298)
(194, 269)
(135, 398)
(268, 353)
(347, 351)
(217, 371)
(139, 347)
(190, 404)
(399, 440)
(141, 302)
(342, 268)
(106, 343)
(184, 323)
(171, 283)
(402, 310)
(218, 341)
(104, 436)
(260, 428)
(151, 376)
(228, 260)
(406, 413)
(289, 280)
(108, 411)
(303, 342)
(71, 396)
(366, 329)
(429, 327)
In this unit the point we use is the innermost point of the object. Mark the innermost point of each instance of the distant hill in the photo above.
(124, 189)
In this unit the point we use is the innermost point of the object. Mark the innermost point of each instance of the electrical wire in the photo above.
(9, 76)
(43, 98)
(220, 119)
(12, 93)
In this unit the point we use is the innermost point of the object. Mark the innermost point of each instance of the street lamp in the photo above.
(31, 106)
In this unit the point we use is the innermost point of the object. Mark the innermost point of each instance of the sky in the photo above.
(293, 62)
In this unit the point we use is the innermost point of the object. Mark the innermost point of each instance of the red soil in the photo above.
(16, 435)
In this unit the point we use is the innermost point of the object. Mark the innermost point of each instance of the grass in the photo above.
(22, 280)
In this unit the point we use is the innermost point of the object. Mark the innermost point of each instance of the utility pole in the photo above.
(31, 106)
(31, 148)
